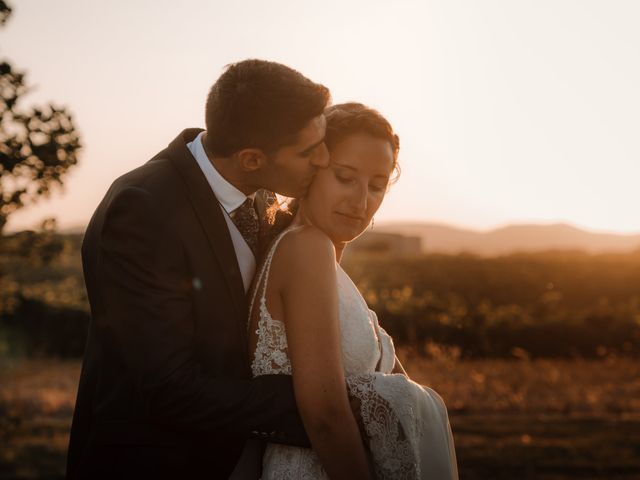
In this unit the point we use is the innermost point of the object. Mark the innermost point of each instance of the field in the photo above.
(559, 304)
(540, 419)
(536, 355)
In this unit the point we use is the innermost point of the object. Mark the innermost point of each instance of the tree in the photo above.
(37, 145)
(5, 11)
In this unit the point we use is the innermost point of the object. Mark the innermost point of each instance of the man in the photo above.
(168, 256)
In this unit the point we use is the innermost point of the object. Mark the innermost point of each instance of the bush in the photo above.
(554, 304)
(40, 330)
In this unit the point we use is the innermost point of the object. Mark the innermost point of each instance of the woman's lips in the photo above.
(351, 218)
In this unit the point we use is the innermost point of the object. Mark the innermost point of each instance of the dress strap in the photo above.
(266, 266)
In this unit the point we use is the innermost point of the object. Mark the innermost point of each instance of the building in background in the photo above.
(385, 243)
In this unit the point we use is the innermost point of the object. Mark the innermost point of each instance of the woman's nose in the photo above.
(359, 199)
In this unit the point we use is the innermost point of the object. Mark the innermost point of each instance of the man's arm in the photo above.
(148, 328)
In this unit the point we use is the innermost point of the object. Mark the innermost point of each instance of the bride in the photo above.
(310, 321)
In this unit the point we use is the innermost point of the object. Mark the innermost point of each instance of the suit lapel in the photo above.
(211, 218)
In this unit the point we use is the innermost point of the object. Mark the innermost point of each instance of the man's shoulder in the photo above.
(158, 170)
(158, 179)
(160, 174)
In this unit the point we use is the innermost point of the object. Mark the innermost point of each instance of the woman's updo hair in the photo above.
(343, 120)
(346, 119)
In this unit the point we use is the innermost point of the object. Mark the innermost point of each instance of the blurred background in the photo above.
(505, 262)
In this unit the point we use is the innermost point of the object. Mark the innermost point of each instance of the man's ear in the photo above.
(250, 159)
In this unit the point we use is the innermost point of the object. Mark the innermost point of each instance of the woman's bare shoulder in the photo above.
(305, 247)
(306, 241)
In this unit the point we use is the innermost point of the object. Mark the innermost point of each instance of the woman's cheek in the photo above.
(374, 203)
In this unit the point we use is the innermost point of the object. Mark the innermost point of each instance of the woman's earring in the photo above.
(373, 222)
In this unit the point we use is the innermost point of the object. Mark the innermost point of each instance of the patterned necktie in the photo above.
(246, 219)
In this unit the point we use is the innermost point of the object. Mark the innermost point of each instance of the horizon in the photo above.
(79, 228)
(550, 223)
(508, 112)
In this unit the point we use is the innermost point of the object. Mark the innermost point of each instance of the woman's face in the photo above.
(343, 198)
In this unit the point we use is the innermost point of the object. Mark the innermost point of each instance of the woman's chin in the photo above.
(345, 235)
(355, 235)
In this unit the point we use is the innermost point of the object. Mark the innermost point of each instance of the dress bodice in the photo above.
(406, 425)
(361, 349)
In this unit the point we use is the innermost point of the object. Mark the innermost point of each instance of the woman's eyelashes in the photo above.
(347, 180)
(378, 188)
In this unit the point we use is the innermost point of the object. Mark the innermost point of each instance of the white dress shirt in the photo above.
(229, 198)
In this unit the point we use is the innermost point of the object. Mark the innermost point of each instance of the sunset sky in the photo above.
(509, 111)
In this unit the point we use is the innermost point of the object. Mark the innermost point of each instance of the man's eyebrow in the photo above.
(310, 148)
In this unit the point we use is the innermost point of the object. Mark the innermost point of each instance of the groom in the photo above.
(166, 388)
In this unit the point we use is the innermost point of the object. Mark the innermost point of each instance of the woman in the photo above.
(309, 320)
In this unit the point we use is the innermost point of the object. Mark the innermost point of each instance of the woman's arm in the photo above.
(310, 304)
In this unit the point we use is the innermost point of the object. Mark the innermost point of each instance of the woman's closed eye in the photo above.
(374, 187)
(378, 188)
(346, 180)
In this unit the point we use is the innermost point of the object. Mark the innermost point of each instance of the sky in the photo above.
(508, 111)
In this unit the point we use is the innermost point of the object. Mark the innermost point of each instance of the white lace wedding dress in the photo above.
(407, 426)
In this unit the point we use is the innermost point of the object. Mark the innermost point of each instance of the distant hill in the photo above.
(443, 238)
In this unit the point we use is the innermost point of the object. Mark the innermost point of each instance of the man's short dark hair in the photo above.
(260, 104)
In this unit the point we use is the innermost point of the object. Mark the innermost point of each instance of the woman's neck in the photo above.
(302, 219)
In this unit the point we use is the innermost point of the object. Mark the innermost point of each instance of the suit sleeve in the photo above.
(148, 329)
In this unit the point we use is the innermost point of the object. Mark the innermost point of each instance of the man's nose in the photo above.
(321, 160)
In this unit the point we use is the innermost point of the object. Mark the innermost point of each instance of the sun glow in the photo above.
(507, 111)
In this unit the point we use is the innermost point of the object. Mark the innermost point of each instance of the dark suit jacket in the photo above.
(166, 389)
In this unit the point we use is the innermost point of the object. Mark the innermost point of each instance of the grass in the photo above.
(583, 387)
(36, 406)
(541, 419)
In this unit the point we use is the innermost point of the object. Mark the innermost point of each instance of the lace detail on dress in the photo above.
(270, 356)
(391, 445)
(406, 425)
(283, 462)
(271, 350)
(360, 344)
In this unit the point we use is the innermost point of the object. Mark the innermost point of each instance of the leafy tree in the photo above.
(5, 11)
(37, 145)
